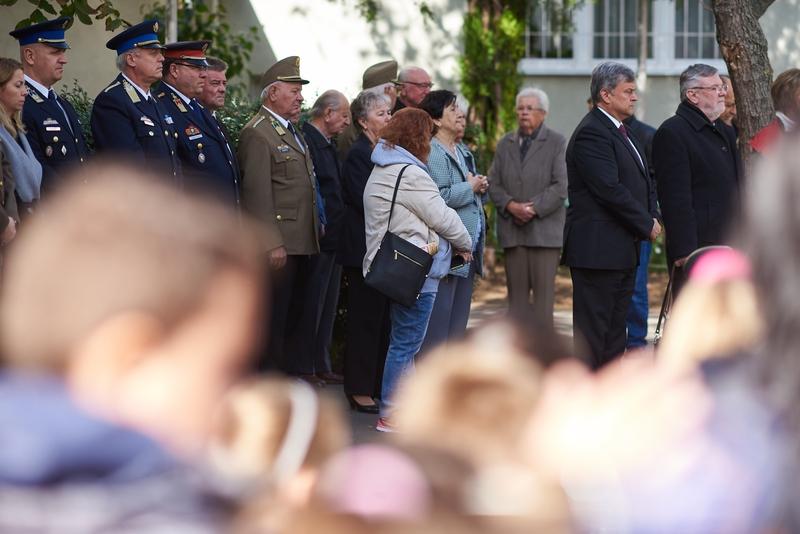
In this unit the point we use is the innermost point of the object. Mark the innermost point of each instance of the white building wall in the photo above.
(336, 44)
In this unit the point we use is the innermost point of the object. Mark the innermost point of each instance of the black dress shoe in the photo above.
(331, 378)
(363, 408)
(313, 380)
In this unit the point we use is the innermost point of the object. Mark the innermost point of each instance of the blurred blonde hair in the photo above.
(254, 420)
(711, 319)
(11, 122)
(472, 397)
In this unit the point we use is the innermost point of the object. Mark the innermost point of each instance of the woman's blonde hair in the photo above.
(11, 122)
(255, 426)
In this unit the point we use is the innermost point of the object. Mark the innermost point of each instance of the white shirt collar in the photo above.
(39, 87)
(183, 96)
(788, 124)
(280, 119)
(145, 94)
(607, 114)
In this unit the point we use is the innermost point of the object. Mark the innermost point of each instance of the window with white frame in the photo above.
(680, 32)
(616, 29)
(548, 33)
(695, 30)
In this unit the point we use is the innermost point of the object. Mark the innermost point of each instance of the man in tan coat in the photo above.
(528, 184)
(279, 191)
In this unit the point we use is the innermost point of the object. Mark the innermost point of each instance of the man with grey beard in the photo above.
(697, 168)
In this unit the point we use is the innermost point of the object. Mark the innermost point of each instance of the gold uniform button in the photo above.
(176, 135)
(55, 139)
(278, 217)
(166, 133)
(150, 133)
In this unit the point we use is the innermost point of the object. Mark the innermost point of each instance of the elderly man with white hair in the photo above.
(528, 184)
(279, 191)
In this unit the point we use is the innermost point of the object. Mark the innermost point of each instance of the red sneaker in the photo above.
(384, 425)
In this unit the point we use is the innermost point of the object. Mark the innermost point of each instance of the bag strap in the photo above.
(394, 195)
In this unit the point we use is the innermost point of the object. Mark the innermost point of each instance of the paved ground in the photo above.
(364, 425)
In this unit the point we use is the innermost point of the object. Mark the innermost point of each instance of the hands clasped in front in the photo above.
(523, 212)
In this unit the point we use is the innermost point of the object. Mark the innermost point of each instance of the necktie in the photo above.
(623, 131)
(296, 137)
(526, 144)
(54, 98)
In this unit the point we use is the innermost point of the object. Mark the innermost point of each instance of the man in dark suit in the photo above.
(53, 128)
(206, 158)
(612, 207)
(126, 118)
(697, 168)
(330, 115)
(636, 321)
(279, 191)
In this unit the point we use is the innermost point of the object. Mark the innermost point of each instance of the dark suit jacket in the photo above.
(123, 123)
(355, 173)
(612, 200)
(697, 172)
(644, 135)
(57, 146)
(326, 167)
(203, 151)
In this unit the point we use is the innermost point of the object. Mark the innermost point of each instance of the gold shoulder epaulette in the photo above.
(110, 87)
(132, 93)
(258, 121)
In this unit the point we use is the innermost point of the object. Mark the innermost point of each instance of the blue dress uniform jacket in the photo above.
(202, 148)
(123, 122)
(56, 144)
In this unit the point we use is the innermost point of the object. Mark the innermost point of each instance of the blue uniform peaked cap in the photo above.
(142, 35)
(50, 32)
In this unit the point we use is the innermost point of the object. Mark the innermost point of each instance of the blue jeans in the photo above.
(450, 313)
(408, 330)
(636, 321)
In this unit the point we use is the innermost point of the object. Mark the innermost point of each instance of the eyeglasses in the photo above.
(427, 85)
(716, 88)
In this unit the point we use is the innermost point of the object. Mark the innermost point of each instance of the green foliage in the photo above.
(82, 103)
(493, 46)
(237, 111)
(197, 21)
(79, 9)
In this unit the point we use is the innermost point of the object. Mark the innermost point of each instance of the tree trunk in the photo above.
(641, 61)
(744, 49)
(172, 17)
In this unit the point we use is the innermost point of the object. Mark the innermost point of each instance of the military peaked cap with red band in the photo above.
(191, 52)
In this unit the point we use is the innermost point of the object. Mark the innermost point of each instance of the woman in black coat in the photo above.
(367, 332)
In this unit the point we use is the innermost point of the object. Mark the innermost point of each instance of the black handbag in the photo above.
(399, 268)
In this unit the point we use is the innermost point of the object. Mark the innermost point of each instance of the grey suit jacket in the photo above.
(541, 178)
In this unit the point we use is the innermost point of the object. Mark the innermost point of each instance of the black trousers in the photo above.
(292, 322)
(600, 302)
(366, 336)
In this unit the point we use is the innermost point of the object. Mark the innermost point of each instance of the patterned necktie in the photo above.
(54, 98)
(526, 144)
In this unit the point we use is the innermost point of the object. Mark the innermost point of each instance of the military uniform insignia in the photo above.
(64, 150)
(145, 119)
(132, 93)
(258, 121)
(179, 104)
(278, 127)
(283, 149)
(35, 96)
(297, 62)
(155, 27)
(192, 132)
(48, 151)
(110, 87)
(168, 119)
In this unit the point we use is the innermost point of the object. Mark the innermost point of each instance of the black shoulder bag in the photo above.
(399, 268)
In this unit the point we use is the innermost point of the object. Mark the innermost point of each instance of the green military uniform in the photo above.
(375, 75)
(278, 186)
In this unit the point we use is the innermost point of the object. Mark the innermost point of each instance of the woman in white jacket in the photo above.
(421, 217)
